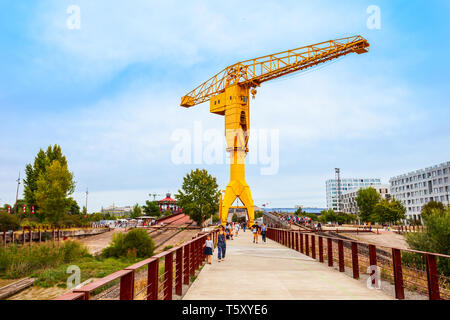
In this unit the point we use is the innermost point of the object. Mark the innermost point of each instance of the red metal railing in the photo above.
(359, 256)
(152, 278)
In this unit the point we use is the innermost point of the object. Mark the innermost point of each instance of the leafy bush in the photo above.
(124, 245)
(9, 221)
(215, 218)
(435, 238)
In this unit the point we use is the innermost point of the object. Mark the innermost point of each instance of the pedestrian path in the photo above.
(272, 271)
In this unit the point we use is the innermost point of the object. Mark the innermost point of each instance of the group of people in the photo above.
(295, 219)
(259, 230)
(228, 232)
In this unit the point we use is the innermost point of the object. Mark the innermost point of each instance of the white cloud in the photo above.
(115, 34)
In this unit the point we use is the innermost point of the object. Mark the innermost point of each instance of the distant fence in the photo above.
(404, 268)
(155, 278)
(30, 235)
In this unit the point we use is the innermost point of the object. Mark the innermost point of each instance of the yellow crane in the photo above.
(228, 95)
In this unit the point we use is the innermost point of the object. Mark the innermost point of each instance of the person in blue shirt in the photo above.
(221, 243)
(263, 232)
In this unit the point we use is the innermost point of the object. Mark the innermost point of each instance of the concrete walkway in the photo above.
(271, 271)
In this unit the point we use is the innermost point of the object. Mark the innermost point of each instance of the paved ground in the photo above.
(271, 271)
(95, 244)
(384, 238)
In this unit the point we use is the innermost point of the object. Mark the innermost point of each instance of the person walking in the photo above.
(244, 226)
(209, 247)
(221, 243)
(255, 233)
(263, 232)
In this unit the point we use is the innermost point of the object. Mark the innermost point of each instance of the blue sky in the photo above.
(109, 92)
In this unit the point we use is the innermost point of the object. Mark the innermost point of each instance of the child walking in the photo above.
(209, 247)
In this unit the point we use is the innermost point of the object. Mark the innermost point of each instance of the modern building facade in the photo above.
(348, 202)
(346, 184)
(419, 187)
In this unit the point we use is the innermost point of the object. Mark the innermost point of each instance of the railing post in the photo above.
(320, 249)
(127, 286)
(341, 255)
(179, 271)
(291, 237)
(186, 264)
(432, 277)
(31, 236)
(191, 258)
(198, 254)
(398, 273)
(330, 252)
(296, 241)
(40, 235)
(152, 280)
(301, 243)
(307, 244)
(168, 276)
(355, 262)
(53, 234)
(372, 257)
(313, 246)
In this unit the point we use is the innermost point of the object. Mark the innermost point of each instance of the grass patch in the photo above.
(48, 263)
(90, 267)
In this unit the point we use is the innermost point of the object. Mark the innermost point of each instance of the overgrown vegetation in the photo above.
(20, 261)
(136, 243)
(434, 238)
(8, 221)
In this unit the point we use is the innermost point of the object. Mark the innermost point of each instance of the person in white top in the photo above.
(209, 248)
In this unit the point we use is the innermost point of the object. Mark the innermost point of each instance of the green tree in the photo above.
(84, 211)
(137, 211)
(54, 185)
(32, 172)
(199, 195)
(366, 200)
(215, 218)
(398, 211)
(234, 218)
(430, 206)
(73, 207)
(328, 215)
(151, 209)
(299, 212)
(388, 212)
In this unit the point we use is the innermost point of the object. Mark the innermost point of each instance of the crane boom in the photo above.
(251, 73)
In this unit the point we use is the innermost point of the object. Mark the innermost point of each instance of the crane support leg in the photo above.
(237, 188)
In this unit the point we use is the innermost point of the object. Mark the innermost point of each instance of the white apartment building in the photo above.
(419, 187)
(346, 185)
(348, 202)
